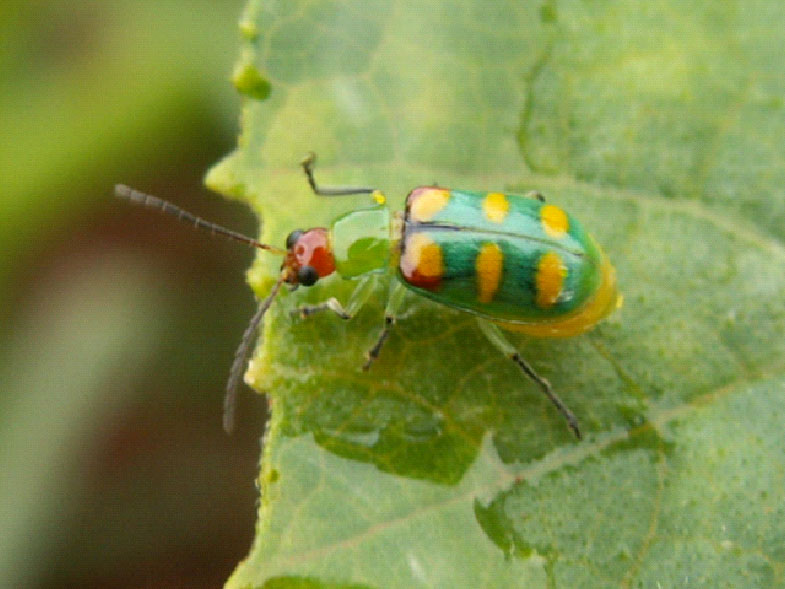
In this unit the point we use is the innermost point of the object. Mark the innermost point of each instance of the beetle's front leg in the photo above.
(308, 164)
(331, 304)
(497, 338)
(357, 299)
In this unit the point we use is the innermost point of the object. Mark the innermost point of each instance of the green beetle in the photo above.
(512, 261)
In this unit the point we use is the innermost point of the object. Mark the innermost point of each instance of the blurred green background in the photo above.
(119, 324)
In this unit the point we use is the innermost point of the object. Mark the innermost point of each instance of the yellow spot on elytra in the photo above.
(496, 206)
(431, 264)
(422, 263)
(605, 300)
(554, 221)
(429, 202)
(488, 265)
(551, 273)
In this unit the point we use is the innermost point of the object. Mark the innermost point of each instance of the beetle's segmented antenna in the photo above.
(307, 165)
(148, 200)
(230, 399)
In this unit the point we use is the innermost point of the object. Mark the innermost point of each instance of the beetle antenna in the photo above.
(230, 398)
(147, 200)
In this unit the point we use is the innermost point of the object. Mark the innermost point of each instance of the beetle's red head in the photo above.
(309, 256)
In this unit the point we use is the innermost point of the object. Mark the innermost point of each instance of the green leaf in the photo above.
(660, 129)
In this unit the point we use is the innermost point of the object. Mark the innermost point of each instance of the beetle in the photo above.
(512, 261)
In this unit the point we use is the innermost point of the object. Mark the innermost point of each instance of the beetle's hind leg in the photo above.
(497, 338)
(358, 298)
(308, 163)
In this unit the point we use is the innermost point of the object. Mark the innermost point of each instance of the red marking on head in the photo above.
(312, 248)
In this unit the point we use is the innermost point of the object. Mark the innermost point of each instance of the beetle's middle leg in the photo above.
(357, 299)
(390, 313)
(497, 338)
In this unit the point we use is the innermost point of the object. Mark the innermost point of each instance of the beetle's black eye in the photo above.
(307, 275)
(293, 237)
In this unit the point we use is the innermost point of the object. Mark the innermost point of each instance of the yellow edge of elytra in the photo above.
(604, 301)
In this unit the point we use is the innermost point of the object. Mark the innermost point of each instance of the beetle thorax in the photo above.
(361, 241)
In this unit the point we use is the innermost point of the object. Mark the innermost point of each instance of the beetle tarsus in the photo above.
(331, 304)
(373, 353)
(308, 163)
